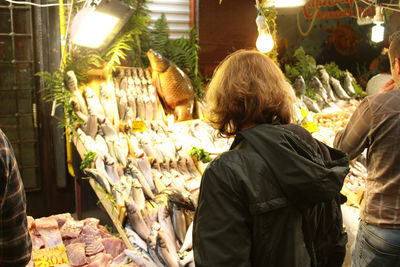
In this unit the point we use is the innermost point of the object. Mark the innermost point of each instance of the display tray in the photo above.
(117, 216)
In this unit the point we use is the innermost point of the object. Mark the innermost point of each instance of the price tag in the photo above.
(50, 256)
(138, 126)
(303, 112)
(310, 126)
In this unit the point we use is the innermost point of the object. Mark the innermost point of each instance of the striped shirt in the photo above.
(15, 241)
(375, 126)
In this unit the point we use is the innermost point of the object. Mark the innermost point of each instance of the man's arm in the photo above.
(353, 139)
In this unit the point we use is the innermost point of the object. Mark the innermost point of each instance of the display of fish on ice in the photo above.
(173, 86)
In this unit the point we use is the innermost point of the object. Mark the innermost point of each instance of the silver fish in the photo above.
(93, 102)
(106, 102)
(77, 100)
(99, 177)
(187, 243)
(132, 105)
(140, 258)
(111, 169)
(325, 82)
(107, 128)
(311, 104)
(178, 221)
(170, 257)
(300, 86)
(136, 219)
(122, 104)
(148, 107)
(134, 238)
(141, 108)
(138, 194)
(123, 85)
(318, 88)
(145, 168)
(338, 89)
(101, 145)
(92, 126)
(145, 185)
(152, 243)
(348, 84)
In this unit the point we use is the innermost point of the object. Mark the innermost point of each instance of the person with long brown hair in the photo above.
(273, 198)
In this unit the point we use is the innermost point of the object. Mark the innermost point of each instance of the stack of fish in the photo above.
(149, 174)
(327, 90)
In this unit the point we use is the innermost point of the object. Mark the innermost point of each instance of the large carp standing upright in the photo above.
(173, 86)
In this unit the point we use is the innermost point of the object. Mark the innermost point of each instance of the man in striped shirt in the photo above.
(15, 241)
(375, 126)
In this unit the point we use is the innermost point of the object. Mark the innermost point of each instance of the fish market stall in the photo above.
(144, 163)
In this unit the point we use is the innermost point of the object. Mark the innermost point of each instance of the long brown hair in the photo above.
(247, 89)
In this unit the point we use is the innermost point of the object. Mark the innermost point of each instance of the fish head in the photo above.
(157, 61)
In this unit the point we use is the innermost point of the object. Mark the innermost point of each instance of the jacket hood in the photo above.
(304, 177)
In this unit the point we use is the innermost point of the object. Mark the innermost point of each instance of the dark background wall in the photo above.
(226, 27)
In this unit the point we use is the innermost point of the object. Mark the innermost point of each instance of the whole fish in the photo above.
(132, 105)
(134, 238)
(300, 86)
(187, 243)
(123, 84)
(348, 84)
(93, 102)
(148, 107)
(101, 145)
(145, 169)
(136, 219)
(318, 88)
(137, 174)
(138, 194)
(122, 104)
(141, 107)
(99, 177)
(140, 258)
(111, 169)
(311, 104)
(180, 198)
(325, 82)
(173, 86)
(77, 100)
(178, 221)
(142, 77)
(92, 126)
(100, 164)
(170, 257)
(338, 89)
(106, 102)
(152, 244)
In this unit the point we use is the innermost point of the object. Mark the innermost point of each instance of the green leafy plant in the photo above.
(334, 71)
(88, 160)
(200, 154)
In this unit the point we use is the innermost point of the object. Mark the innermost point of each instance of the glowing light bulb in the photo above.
(264, 42)
(377, 32)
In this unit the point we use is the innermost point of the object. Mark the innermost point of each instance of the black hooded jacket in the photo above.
(253, 199)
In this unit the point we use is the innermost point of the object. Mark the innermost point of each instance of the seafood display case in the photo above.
(138, 160)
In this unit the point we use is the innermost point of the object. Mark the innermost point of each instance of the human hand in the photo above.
(388, 86)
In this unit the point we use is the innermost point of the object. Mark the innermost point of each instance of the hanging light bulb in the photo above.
(264, 43)
(378, 30)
